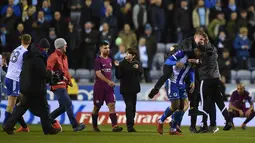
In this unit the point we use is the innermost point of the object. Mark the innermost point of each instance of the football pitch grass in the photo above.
(145, 134)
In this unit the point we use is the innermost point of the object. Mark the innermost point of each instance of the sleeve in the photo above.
(135, 13)
(248, 97)
(174, 58)
(192, 75)
(233, 97)
(117, 72)
(40, 67)
(52, 60)
(97, 65)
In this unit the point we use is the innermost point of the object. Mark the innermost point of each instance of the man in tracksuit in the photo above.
(129, 72)
(209, 75)
(33, 88)
(57, 62)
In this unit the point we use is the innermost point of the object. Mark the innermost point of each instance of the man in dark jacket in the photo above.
(129, 72)
(33, 87)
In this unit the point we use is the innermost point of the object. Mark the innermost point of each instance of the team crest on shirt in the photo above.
(97, 101)
(175, 94)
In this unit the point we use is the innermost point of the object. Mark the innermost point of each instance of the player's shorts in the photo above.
(103, 93)
(175, 91)
(12, 86)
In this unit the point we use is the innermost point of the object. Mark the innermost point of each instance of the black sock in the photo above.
(94, 120)
(249, 118)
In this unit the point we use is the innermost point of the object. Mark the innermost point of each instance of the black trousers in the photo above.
(210, 94)
(38, 105)
(130, 101)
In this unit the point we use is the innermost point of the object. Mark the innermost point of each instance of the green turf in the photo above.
(145, 134)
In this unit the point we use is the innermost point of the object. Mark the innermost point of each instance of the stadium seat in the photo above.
(233, 76)
(251, 63)
(83, 73)
(253, 75)
(161, 48)
(155, 74)
(72, 72)
(244, 76)
(168, 45)
(158, 61)
(92, 75)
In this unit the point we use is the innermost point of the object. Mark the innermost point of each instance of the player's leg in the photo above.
(110, 101)
(167, 72)
(172, 93)
(16, 115)
(98, 98)
(248, 118)
(24, 127)
(176, 117)
(12, 97)
(184, 105)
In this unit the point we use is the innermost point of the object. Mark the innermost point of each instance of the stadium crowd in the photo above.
(134, 24)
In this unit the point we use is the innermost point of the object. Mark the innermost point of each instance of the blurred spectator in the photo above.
(111, 20)
(170, 30)
(5, 40)
(242, 21)
(151, 43)
(40, 27)
(182, 21)
(251, 21)
(232, 26)
(51, 38)
(16, 35)
(200, 15)
(47, 10)
(28, 19)
(221, 42)
(242, 45)
(73, 40)
(158, 20)
(139, 17)
(125, 16)
(76, 9)
(60, 25)
(225, 65)
(214, 10)
(88, 47)
(144, 59)
(216, 25)
(231, 7)
(106, 34)
(128, 37)
(86, 13)
(121, 2)
(119, 56)
(9, 20)
(23, 6)
(73, 91)
(16, 8)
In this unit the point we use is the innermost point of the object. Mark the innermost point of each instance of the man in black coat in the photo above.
(33, 87)
(129, 72)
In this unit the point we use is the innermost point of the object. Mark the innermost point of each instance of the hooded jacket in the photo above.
(33, 76)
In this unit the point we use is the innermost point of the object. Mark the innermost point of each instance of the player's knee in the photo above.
(175, 105)
(111, 107)
(96, 109)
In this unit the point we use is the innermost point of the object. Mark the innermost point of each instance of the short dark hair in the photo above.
(104, 43)
(132, 51)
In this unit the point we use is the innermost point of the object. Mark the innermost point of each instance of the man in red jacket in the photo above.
(57, 62)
